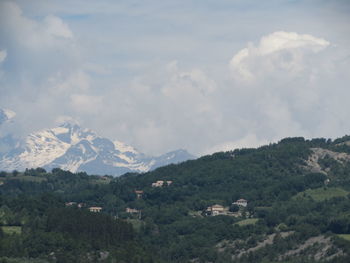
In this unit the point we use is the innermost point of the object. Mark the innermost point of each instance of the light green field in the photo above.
(195, 213)
(249, 221)
(12, 230)
(344, 236)
(321, 194)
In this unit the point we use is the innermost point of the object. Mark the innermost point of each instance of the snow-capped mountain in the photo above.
(73, 148)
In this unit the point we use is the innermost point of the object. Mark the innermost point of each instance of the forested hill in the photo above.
(297, 194)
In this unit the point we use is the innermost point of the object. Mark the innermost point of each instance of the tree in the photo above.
(234, 208)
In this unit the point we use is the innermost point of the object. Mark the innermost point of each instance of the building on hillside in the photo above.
(241, 202)
(80, 205)
(161, 183)
(139, 194)
(95, 209)
(71, 203)
(216, 210)
(132, 210)
(169, 182)
(158, 184)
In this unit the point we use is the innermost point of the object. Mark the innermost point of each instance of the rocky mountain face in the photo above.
(71, 147)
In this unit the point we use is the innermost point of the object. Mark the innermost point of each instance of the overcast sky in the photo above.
(204, 75)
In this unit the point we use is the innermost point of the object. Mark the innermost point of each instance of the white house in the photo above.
(241, 202)
(95, 209)
(160, 183)
(139, 194)
(215, 210)
(132, 210)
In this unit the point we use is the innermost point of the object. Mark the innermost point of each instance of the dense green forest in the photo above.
(298, 209)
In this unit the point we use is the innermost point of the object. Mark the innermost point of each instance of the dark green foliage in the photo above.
(100, 231)
(172, 226)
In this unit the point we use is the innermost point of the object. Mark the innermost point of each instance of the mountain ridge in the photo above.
(71, 147)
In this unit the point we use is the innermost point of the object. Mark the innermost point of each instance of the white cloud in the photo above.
(45, 76)
(62, 119)
(75, 81)
(82, 103)
(248, 141)
(57, 28)
(3, 55)
(96, 68)
(279, 50)
(112, 72)
(47, 33)
(289, 85)
(191, 88)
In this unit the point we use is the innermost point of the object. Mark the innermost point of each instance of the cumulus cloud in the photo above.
(83, 103)
(37, 48)
(291, 83)
(121, 76)
(60, 83)
(44, 74)
(50, 32)
(189, 87)
(279, 50)
(167, 105)
(56, 27)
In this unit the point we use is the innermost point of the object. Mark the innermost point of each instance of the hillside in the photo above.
(297, 194)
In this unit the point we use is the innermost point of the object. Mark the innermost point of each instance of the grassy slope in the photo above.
(321, 194)
(12, 230)
(249, 221)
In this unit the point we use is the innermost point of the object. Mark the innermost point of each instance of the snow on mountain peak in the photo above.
(123, 148)
(68, 146)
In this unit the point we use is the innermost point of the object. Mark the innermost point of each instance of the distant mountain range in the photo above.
(71, 147)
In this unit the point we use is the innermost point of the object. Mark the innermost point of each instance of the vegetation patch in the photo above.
(28, 178)
(101, 180)
(322, 193)
(249, 221)
(195, 213)
(136, 224)
(344, 236)
(282, 226)
(22, 260)
(12, 230)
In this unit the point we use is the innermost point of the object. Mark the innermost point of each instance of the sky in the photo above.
(206, 76)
